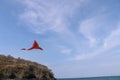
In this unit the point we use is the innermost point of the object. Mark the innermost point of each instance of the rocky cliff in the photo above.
(12, 68)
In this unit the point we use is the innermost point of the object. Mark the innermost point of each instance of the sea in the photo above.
(93, 78)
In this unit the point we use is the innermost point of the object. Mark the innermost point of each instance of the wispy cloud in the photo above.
(87, 28)
(87, 56)
(64, 49)
(111, 41)
(83, 57)
(95, 26)
(43, 16)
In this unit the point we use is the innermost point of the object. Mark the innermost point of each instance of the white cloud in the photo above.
(43, 16)
(96, 27)
(113, 39)
(83, 56)
(87, 28)
(66, 51)
(87, 56)
(110, 42)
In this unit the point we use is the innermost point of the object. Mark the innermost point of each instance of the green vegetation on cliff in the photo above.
(23, 69)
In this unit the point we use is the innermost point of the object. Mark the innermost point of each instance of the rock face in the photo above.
(12, 68)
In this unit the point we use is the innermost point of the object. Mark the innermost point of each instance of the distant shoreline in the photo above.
(90, 77)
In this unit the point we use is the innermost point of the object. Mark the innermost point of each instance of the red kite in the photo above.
(34, 46)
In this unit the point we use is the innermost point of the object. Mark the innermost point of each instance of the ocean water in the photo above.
(94, 78)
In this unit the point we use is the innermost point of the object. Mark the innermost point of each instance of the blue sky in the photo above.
(81, 38)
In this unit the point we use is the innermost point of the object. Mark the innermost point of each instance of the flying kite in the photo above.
(34, 46)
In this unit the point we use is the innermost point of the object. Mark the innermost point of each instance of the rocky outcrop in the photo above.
(12, 68)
